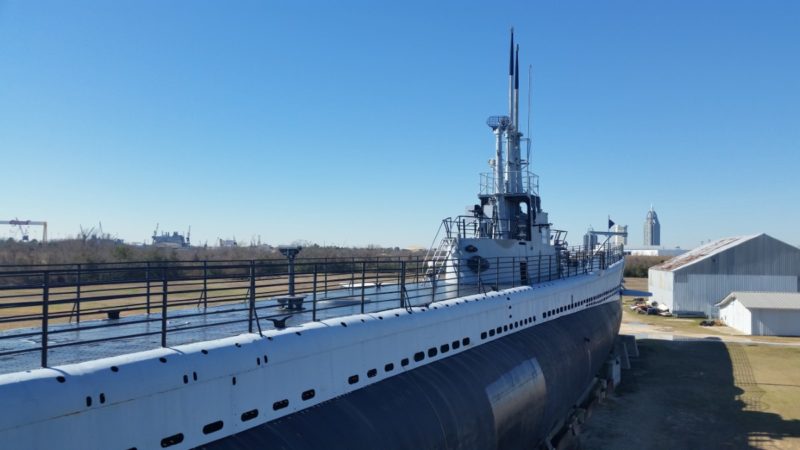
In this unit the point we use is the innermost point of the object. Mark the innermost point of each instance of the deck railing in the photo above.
(49, 309)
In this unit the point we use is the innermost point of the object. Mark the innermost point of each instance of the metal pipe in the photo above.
(497, 273)
(499, 175)
(147, 279)
(291, 276)
(511, 78)
(403, 284)
(205, 285)
(314, 297)
(363, 282)
(252, 308)
(45, 314)
(78, 296)
(164, 293)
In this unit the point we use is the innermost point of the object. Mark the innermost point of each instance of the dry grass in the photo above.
(708, 392)
(702, 394)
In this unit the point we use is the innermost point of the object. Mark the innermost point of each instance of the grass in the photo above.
(702, 394)
(706, 392)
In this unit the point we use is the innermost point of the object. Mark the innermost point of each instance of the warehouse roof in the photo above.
(702, 252)
(764, 300)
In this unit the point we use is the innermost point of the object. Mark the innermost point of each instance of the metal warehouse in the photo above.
(762, 313)
(695, 282)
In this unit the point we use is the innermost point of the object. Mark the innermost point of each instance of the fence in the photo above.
(44, 309)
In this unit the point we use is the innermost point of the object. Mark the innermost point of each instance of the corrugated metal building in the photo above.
(693, 283)
(762, 313)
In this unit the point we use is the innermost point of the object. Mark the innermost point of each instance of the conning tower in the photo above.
(509, 222)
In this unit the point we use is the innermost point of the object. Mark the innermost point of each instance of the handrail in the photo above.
(529, 181)
(47, 311)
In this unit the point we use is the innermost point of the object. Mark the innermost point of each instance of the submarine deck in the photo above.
(57, 315)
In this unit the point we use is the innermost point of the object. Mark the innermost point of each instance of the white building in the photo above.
(653, 251)
(619, 240)
(762, 313)
(694, 282)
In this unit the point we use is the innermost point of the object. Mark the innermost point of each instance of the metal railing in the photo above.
(48, 311)
(466, 227)
(528, 181)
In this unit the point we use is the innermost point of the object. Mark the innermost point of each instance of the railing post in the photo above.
(252, 308)
(45, 314)
(326, 265)
(539, 270)
(363, 282)
(147, 279)
(402, 284)
(434, 283)
(164, 294)
(205, 285)
(352, 276)
(78, 296)
(497, 272)
(314, 297)
(586, 262)
(513, 271)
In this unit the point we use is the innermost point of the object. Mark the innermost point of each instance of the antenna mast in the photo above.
(530, 75)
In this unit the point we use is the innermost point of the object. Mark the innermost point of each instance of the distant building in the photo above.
(619, 240)
(652, 229)
(696, 281)
(170, 240)
(228, 243)
(762, 313)
(590, 239)
(655, 251)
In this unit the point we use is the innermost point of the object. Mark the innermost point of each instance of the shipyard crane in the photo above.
(23, 226)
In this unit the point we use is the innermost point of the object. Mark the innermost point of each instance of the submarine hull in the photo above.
(505, 394)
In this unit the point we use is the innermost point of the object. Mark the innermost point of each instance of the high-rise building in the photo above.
(590, 239)
(652, 228)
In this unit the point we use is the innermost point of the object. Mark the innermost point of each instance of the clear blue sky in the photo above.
(359, 123)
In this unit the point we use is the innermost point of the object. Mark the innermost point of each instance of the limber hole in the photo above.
(212, 427)
(249, 415)
(172, 440)
(280, 404)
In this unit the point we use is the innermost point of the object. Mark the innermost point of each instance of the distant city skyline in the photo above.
(363, 123)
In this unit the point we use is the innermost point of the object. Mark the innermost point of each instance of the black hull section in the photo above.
(507, 393)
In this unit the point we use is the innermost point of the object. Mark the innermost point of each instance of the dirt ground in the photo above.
(694, 387)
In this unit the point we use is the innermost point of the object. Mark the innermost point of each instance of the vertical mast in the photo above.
(513, 166)
(516, 91)
(511, 80)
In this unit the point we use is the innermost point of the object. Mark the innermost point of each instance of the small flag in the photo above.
(610, 223)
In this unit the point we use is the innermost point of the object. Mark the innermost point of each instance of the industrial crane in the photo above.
(23, 227)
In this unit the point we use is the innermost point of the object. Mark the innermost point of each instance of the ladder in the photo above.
(438, 262)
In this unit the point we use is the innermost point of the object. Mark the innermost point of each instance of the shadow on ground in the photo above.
(684, 395)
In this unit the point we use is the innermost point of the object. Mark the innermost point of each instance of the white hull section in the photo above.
(188, 395)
